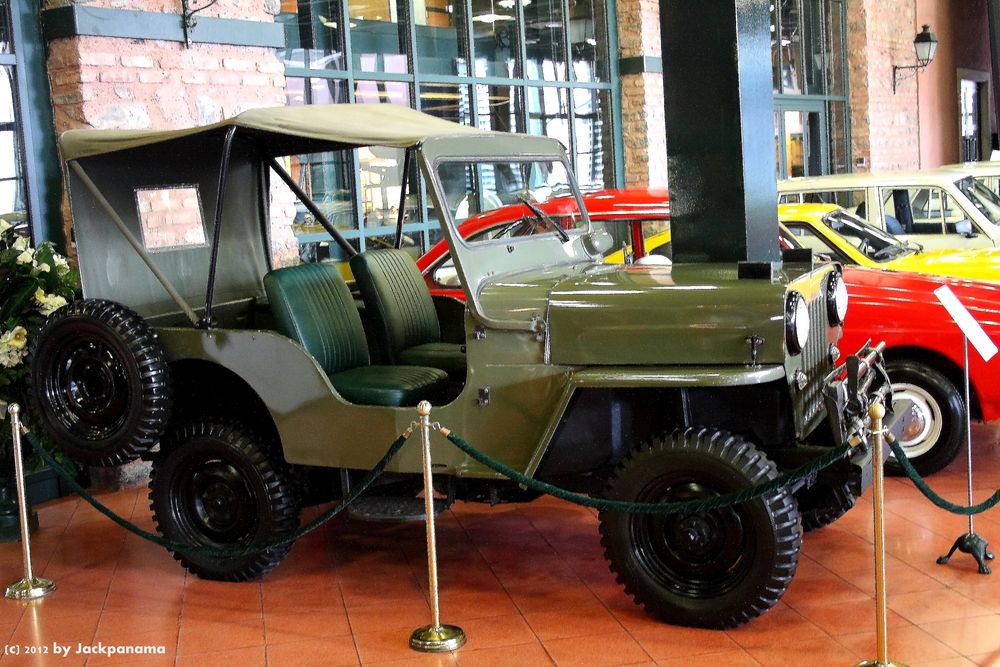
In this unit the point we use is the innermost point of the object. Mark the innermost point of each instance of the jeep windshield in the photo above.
(871, 241)
(538, 195)
(981, 197)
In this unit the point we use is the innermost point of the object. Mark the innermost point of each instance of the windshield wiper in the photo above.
(541, 215)
(914, 246)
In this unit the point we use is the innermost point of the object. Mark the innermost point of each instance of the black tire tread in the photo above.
(154, 375)
(754, 466)
(276, 476)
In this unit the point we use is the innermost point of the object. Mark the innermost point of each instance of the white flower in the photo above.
(4, 225)
(43, 267)
(48, 303)
(12, 347)
(22, 243)
(25, 257)
(62, 266)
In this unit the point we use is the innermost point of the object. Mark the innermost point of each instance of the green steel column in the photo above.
(720, 130)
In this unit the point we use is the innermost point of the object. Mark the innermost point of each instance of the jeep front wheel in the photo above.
(711, 569)
(215, 484)
(100, 382)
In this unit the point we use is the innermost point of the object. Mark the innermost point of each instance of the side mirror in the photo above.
(598, 242)
(965, 229)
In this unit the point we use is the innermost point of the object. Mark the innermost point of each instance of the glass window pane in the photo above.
(447, 100)
(5, 33)
(374, 92)
(314, 90)
(839, 141)
(381, 179)
(13, 206)
(594, 143)
(377, 36)
(499, 108)
(815, 65)
(588, 40)
(837, 74)
(544, 35)
(495, 35)
(790, 43)
(314, 37)
(548, 113)
(442, 44)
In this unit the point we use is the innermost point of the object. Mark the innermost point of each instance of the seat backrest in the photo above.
(311, 304)
(397, 298)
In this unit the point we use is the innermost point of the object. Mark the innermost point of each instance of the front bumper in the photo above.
(849, 392)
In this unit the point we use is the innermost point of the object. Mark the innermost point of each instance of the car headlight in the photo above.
(836, 298)
(796, 322)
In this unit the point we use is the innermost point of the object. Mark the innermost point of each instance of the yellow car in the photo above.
(830, 230)
(836, 233)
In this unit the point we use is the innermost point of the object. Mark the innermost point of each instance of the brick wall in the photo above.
(885, 126)
(643, 133)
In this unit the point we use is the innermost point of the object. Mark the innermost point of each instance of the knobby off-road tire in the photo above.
(939, 428)
(823, 504)
(217, 484)
(716, 569)
(100, 384)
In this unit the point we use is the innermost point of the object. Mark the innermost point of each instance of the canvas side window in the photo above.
(170, 218)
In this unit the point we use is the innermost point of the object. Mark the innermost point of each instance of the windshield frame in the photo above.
(870, 233)
(479, 264)
(982, 197)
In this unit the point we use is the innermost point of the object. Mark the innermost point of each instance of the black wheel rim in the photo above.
(214, 501)
(89, 388)
(698, 554)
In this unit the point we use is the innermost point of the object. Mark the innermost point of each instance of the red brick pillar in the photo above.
(643, 134)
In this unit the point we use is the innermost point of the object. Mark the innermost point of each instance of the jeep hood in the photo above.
(697, 314)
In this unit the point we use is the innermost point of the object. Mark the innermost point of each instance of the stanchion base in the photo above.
(437, 639)
(876, 663)
(974, 545)
(29, 589)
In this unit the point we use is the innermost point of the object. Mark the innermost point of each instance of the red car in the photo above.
(923, 346)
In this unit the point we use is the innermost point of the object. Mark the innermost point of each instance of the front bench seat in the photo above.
(403, 312)
(312, 304)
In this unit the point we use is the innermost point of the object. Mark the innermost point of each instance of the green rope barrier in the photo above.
(948, 506)
(685, 506)
(193, 549)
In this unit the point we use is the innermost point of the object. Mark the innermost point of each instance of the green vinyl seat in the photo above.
(312, 304)
(403, 312)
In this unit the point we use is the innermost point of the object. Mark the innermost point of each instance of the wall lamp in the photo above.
(925, 44)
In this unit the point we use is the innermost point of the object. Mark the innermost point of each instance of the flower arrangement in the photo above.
(34, 283)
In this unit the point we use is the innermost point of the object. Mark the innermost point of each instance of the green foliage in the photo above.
(34, 282)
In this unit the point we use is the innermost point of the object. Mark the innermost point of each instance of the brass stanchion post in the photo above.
(877, 413)
(434, 637)
(31, 586)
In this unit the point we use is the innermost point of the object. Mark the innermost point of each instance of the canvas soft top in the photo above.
(287, 130)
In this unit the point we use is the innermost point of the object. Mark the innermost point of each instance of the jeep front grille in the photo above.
(809, 406)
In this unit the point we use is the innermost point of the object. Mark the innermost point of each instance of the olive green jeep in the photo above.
(252, 387)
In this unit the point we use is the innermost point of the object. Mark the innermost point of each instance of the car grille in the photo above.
(815, 364)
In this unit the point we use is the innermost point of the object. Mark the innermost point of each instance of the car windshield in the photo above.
(536, 191)
(871, 241)
(981, 197)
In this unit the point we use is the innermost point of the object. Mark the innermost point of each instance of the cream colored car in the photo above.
(936, 208)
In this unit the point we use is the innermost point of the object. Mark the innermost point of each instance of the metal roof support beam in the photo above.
(719, 113)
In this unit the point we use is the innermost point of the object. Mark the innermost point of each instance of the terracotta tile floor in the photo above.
(527, 583)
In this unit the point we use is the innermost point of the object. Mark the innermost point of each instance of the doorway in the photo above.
(800, 129)
(974, 115)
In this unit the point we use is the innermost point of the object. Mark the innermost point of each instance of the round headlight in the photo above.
(836, 298)
(796, 322)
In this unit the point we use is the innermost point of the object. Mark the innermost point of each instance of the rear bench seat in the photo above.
(312, 304)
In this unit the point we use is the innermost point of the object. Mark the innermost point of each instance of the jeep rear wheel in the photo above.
(217, 485)
(937, 431)
(712, 569)
(100, 382)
